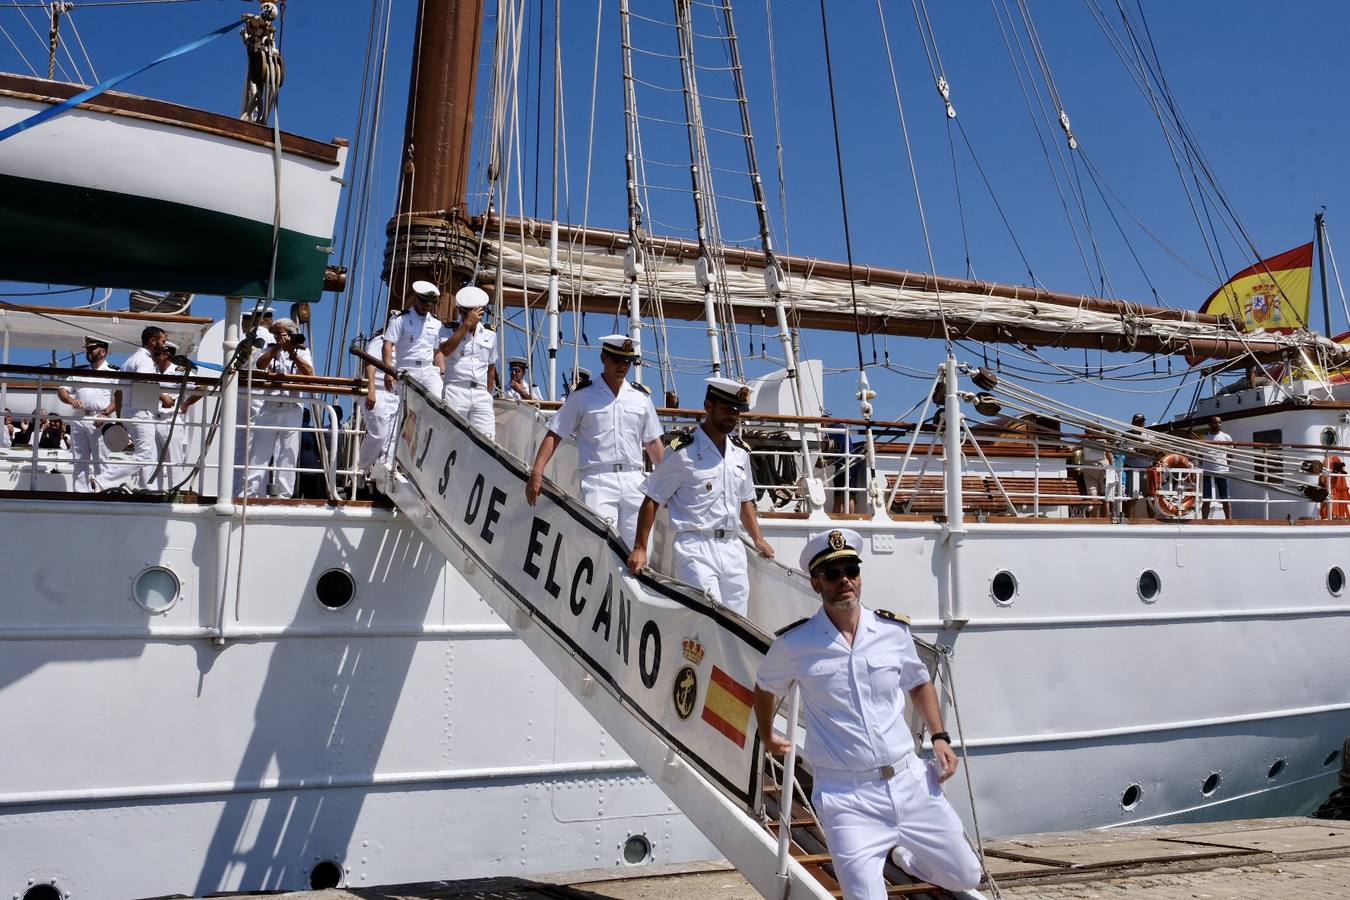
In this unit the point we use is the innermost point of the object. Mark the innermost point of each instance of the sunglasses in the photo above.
(834, 573)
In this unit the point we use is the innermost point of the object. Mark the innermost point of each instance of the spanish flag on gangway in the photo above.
(1271, 295)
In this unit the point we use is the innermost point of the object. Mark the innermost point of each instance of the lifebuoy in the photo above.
(1178, 500)
(1334, 479)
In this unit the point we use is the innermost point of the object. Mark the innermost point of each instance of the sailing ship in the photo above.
(271, 693)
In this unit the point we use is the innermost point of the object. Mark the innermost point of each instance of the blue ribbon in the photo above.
(54, 111)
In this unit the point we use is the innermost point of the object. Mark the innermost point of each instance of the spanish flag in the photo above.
(1271, 295)
(727, 706)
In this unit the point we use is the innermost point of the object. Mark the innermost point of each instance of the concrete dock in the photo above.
(1245, 860)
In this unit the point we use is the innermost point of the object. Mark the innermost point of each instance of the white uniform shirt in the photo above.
(140, 362)
(1216, 460)
(513, 394)
(705, 489)
(415, 338)
(95, 393)
(473, 357)
(609, 428)
(284, 363)
(853, 695)
(375, 348)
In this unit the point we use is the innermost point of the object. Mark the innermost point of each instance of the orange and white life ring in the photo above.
(1337, 485)
(1178, 499)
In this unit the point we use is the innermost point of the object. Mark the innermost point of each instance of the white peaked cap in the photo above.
(471, 297)
(829, 546)
(426, 289)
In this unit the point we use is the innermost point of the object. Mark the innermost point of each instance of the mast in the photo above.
(1320, 226)
(429, 237)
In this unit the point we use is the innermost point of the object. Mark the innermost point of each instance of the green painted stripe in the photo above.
(59, 234)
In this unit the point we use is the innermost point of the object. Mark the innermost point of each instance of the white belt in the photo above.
(471, 385)
(860, 776)
(416, 364)
(719, 533)
(597, 468)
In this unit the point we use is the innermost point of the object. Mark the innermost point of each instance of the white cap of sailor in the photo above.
(620, 345)
(425, 291)
(726, 390)
(833, 546)
(470, 297)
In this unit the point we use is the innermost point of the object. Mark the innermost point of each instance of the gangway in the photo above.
(667, 673)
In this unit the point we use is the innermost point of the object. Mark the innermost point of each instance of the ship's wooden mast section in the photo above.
(428, 237)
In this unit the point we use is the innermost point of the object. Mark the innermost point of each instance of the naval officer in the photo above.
(613, 421)
(706, 480)
(141, 421)
(872, 793)
(520, 387)
(411, 339)
(93, 400)
(381, 408)
(470, 352)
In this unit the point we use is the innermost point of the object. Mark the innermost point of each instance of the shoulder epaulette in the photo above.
(639, 387)
(582, 385)
(891, 617)
(786, 628)
(487, 327)
(739, 442)
(114, 368)
(681, 440)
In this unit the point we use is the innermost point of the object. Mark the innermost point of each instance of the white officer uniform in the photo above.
(142, 422)
(610, 430)
(171, 435)
(86, 439)
(282, 446)
(466, 368)
(415, 338)
(250, 403)
(380, 420)
(705, 490)
(871, 792)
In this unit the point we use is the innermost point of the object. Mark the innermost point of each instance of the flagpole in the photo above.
(1320, 226)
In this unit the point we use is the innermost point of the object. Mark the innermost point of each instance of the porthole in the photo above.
(1130, 799)
(1003, 588)
(1275, 769)
(1331, 757)
(326, 874)
(1336, 581)
(335, 589)
(43, 892)
(1148, 586)
(1211, 785)
(156, 589)
(637, 850)
(1328, 437)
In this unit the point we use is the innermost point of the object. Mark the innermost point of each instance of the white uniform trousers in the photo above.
(716, 565)
(474, 404)
(282, 447)
(86, 445)
(866, 817)
(172, 448)
(428, 377)
(617, 497)
(247, 409)
(144, 450)
(379, 429)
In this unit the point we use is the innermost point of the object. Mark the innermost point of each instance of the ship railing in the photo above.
(336, 440)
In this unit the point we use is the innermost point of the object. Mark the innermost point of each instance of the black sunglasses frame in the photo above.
(834, 573)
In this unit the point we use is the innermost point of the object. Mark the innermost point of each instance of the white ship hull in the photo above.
(410, 736)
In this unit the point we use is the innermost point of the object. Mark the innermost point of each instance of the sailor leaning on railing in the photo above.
(874, 797)
(93, 400)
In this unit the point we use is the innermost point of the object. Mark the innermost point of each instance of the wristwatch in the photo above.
(942, 736)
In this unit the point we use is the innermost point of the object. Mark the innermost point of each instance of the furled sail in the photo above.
(891, 301)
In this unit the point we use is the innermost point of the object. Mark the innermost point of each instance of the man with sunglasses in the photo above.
(613, 421)
(706, 480)
(412, 337)
(875, 798)
(93, 400)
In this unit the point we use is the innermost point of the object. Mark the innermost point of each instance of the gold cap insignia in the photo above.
(628, 346)
(743, 395)
(837, 541)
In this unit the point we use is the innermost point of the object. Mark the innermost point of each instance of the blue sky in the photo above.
(1261, 87)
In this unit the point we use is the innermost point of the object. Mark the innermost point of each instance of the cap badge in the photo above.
(837, 541)
(628, 346)
(743, 395)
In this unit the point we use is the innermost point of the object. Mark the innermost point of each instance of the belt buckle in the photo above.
(887, 773)
(719, 533)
